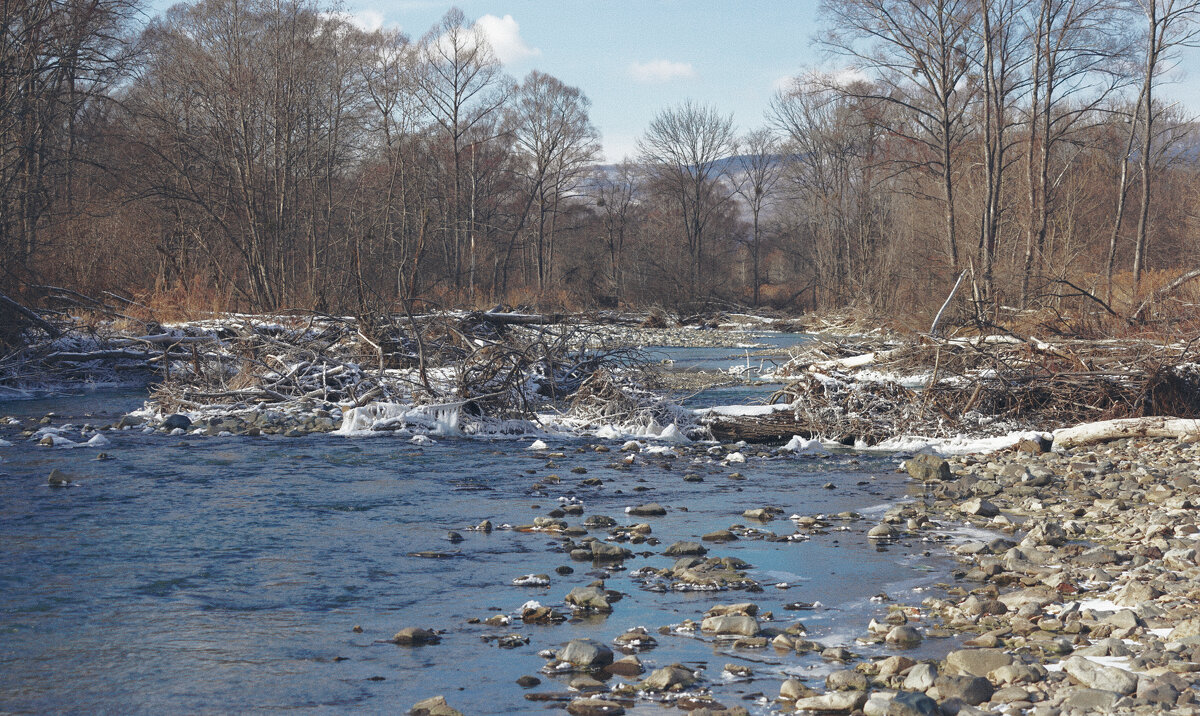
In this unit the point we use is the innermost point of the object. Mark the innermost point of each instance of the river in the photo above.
(218, 574)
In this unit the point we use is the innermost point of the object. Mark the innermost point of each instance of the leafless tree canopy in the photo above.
(262, 154)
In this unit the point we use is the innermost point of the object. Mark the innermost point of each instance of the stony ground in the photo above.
(1080, 598)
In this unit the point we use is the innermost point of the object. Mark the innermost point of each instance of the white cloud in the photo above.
(816, 79)
(504, 35)
(659, 71)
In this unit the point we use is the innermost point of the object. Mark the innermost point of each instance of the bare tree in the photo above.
(1170, 26)
(461, 85)
(615, 191)
(555, 143)
(920, 53)
(685, 149)
(758, 170)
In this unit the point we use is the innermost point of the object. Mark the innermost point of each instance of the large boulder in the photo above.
(977, 662)
(1098, 676)
(586, 653)
(589, 599)
(832, 702)
(667, 677)
(730, 625)
(972, 690)
(433, 706)
(928, 468)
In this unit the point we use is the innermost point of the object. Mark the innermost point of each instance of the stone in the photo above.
(433, 706)
(928, 468)
(1091, 701)
(415, 636)
(176, 422)
(1098, 676)
(650, 509)
(734, 625)
(921, 678)
(977, 662)
(685, 549)
(979, 507)
(528, 682)
(834, 701)
(594, 707)
(973, 690)
(589, 599)
(794, 690)
(749, 609)
(760, 514)
(884, 531)
(846, 680)
(894, 665)
(667, 677)
(627, 666)
(904, 637)
(719, 536)
(1184, 629)
(605, 552)
(58, 478)
(586, 653)
(910, 703)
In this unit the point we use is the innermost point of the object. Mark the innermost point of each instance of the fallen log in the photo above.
(1108, 430)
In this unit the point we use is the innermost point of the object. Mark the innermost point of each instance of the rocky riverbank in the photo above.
(1077, 594)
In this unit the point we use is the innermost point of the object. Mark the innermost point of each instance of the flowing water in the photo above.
(210, 575)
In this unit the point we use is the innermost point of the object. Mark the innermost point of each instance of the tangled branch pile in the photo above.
(989, 385)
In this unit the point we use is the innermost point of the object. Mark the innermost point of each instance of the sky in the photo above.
(633, 59)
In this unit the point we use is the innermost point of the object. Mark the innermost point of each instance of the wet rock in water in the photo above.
(485, 526)
(47, 441)
(846, 680)
(650, 509)
(636, 638)
(58, 478)
(564, 570)
(749, 609)
(794, 690)
(604, 552)
(541, 615)
(719, 536)
(668, 677)
(532, 580)
(586, 653)
(884, 531)
(594, 707)
(586, 684)
(685, 549)
(928, 468)
(528, 682)
(977, 662)
(589, 599)
(454, 537)
(628, 666)
(434, 706)
(905, 637)
(909, 703)
(730, 625)
(693, 573)
(973, 690)
(894, 665)
(1098, 676)
(415, 636)
(832, 702)
(177, 422)
(762, 514)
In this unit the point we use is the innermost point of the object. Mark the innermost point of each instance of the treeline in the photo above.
(261, 154)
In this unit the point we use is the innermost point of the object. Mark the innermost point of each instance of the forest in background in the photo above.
(255, 155)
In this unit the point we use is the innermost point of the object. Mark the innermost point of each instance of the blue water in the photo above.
(210, 575)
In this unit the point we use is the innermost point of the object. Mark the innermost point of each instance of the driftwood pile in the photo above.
(973, 386)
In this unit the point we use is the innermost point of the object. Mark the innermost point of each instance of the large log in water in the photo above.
(776, 429)
(1107, 430)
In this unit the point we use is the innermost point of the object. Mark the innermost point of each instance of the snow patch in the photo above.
(799, 445)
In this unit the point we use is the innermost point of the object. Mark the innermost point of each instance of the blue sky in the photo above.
(632, 59)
